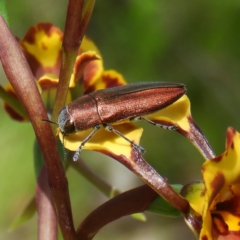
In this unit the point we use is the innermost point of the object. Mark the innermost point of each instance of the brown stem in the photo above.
(194, 223)
(75, 28)
(149, 175)
(198, 139)
(132, 201)
(23, 82)
(47, 221)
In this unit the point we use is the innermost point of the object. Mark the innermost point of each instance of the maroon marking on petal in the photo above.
(14, 115)
(48, 28)
(231, 132)
(204, 237)
(232, 206)
(80, 66)
(230, 236)
(35, 66)
(44, 46)
(216, 185)
(47, 84)
(217, 159)
(90, 71)
(37, 69)
(110, 81)
(219, 224)
(89, 89)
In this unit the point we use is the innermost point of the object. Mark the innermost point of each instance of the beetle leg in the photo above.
(111, 129)
(77, 153)
(168, 127)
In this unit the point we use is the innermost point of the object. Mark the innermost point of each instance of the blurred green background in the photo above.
(191, 42)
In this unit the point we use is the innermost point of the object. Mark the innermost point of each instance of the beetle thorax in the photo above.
(66, 122)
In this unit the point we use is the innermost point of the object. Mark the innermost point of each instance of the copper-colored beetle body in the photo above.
(117, 104)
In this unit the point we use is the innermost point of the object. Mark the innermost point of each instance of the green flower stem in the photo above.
(22, 80)
(76, 23)
(87, 12)
(64, 79)
(93, 178)
(13, 103)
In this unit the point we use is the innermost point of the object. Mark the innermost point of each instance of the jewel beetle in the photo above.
(118, 104)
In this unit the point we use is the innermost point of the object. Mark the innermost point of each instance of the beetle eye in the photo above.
(69, 127)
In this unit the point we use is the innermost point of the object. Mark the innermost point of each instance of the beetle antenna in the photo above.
(47, 120)
(64, 149)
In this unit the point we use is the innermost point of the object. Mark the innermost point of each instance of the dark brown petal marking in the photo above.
(187, 188)
(36, 67)
(48, 28)
(90, 71)
(47, 84)
(89, 89)
(231, 132)
(219, 224)
(216, 185)
(217, 159)
(44, 46)
(110, 81)
(81, 64)
(14, 115)
(232, 206)
(204, 237)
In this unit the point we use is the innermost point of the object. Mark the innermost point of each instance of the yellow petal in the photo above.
(232, 220)
(223, 171)
(42, 46)
(219, 174)
(48, 84)
(88, 45)
(105, 141)
(194, 193)
(83, 60)
(175, 114)
(206, 231)
(48, 81)
(109, 79)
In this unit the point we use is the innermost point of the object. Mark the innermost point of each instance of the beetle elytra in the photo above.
(117, 104)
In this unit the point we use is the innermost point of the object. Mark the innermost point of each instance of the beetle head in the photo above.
(66, 122)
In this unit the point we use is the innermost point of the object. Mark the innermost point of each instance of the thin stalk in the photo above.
(76, 23)
(22, 80)
(93, 178)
